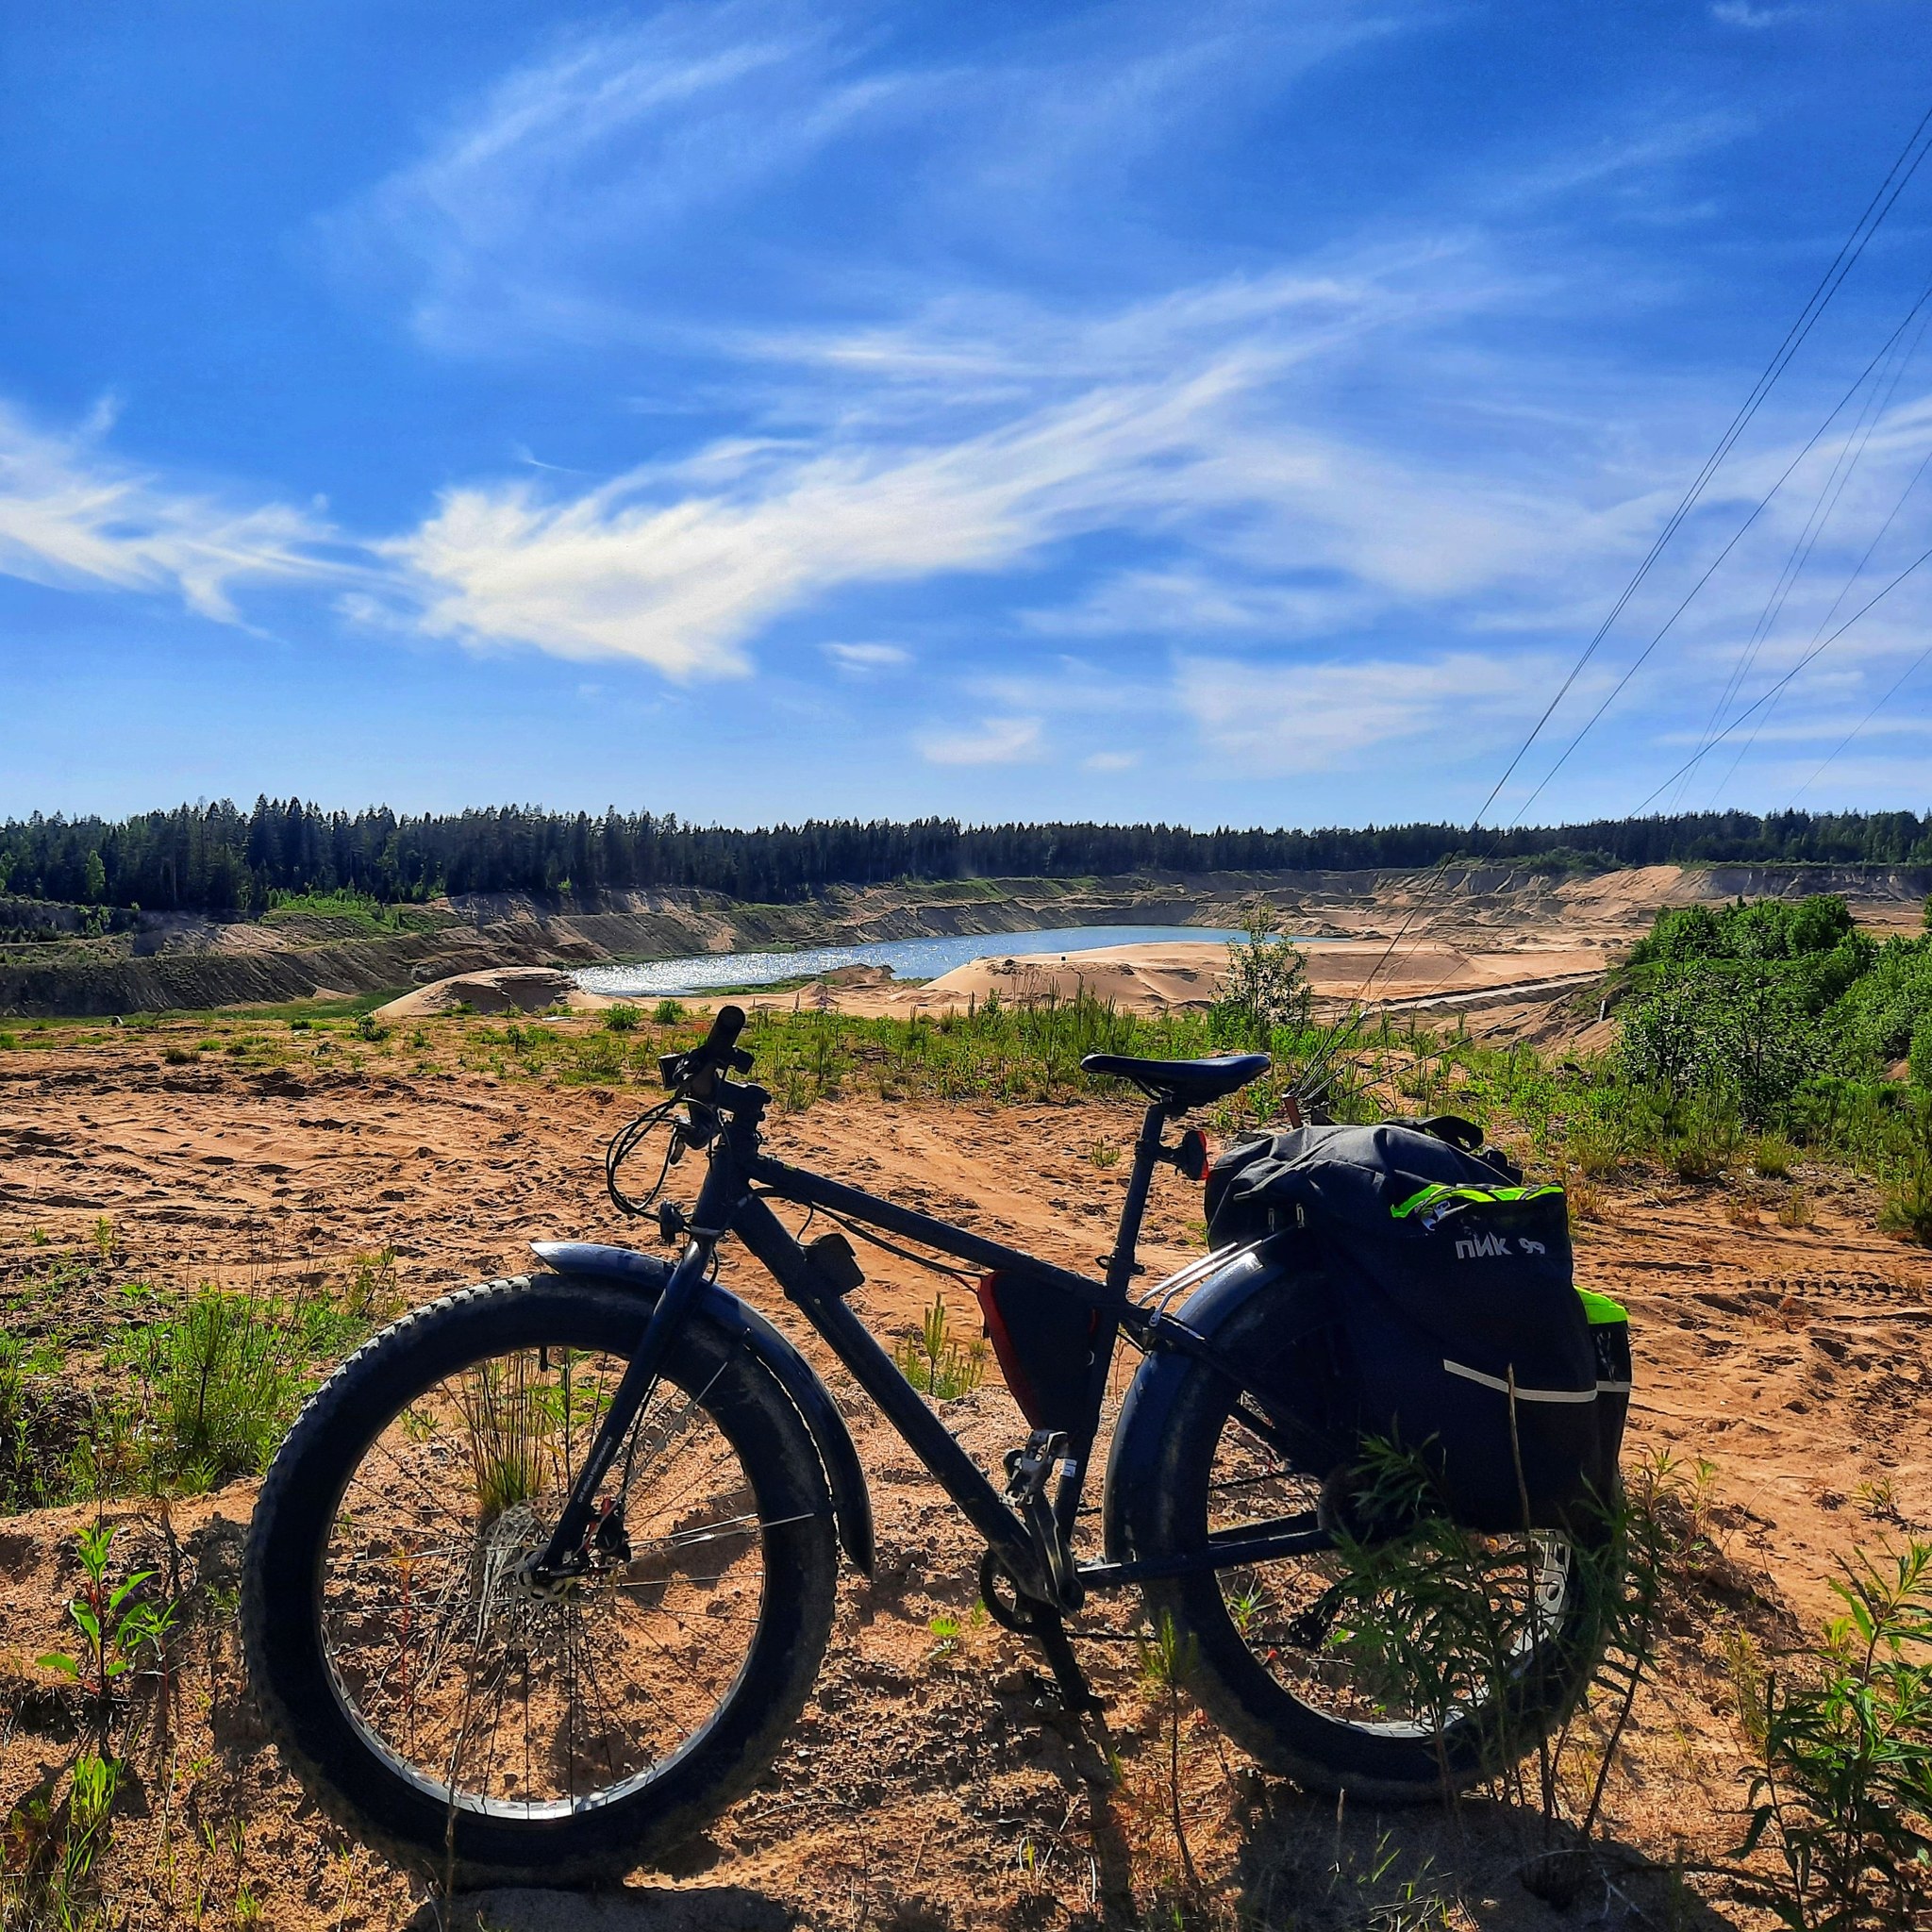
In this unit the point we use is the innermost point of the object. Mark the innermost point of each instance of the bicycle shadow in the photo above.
(642, 1907)
(1302, 1861)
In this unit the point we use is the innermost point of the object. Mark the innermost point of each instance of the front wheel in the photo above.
(1389, 1672)
(459, 1715)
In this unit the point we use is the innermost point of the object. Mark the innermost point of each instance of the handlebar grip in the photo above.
(722, 1037)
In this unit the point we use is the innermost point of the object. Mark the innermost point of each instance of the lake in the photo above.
(909, 959)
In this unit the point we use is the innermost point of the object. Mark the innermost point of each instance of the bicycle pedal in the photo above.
(1027, 1468)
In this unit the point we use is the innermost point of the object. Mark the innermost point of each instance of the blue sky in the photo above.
(1219, 413)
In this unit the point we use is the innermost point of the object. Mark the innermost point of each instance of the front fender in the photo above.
(647, 1274)
(1264, 1294)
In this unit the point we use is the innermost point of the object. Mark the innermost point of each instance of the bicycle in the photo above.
(544, 1571)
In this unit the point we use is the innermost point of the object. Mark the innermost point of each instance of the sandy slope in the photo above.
(1797, 1359)
(1151, 978)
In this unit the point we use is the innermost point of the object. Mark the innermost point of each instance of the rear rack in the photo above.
(1153, 1300)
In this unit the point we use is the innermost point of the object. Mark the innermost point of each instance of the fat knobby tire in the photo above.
(1295, 1740)
(283, 1567)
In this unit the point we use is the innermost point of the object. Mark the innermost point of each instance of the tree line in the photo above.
(221, 858)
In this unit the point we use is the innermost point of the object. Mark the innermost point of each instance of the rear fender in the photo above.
(646, 1276)
(1266, 1293)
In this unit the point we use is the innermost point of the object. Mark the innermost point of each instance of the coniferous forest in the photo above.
(221, 858)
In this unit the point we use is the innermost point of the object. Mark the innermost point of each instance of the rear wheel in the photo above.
(445, 1707)
(1385, 1673)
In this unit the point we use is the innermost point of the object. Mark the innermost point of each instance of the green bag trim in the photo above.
(1441, 1190)
(1600, 1312)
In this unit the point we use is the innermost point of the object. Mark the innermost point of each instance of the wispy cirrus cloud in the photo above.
(76, 517)
(504, 229)
(1272, 720)
(1188, 422)
(863, 659)
(991, 741)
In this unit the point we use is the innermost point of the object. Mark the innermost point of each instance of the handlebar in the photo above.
(718, 1052)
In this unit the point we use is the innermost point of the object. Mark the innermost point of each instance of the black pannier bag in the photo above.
(1042, 1338)
(1452, 1284)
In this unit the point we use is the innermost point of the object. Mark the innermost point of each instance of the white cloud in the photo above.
(997, 742)
(1280, 720)
(1111, 760)
(1176, 428)
(497, 232)
(1741, 13)
(74, 517)
(860, 658)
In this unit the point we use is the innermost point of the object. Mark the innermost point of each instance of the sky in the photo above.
(1226, 414)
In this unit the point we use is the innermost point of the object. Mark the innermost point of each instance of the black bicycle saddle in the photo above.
(1182, 1083)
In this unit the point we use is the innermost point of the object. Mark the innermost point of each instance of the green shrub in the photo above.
(1907, 1210)
(1745, 1033)
(936, 1362)
(1772, 1158)
(1711, 1140)
(621, 1020)
(668, 1012)
(1265, 986)
(226, 1380)
(1921, 1062)
(1844, 1793)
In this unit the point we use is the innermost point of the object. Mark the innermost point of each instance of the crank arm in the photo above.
(1261, 1542)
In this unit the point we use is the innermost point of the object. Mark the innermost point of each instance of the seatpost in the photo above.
(1120, 1265)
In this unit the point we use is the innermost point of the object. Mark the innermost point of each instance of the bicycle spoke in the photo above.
(504, 1692)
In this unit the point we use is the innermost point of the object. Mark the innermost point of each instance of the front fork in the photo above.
(564, 1555)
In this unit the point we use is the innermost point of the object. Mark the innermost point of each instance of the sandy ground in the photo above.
(926, 1787)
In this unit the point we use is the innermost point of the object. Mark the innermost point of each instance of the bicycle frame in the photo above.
(728, 1205)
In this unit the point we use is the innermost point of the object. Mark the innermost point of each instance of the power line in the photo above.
(1905, 165)
(1877, 596)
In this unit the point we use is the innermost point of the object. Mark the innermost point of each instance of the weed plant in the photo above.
(937, 1362)
(1843, 1800)
(1432, 1619)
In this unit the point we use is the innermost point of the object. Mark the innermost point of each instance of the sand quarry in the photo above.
(1480, 948)
(928, 1785)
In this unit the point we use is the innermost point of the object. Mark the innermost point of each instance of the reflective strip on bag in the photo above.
(1439, 1192)
(1600, 1312)
(1522, 1394)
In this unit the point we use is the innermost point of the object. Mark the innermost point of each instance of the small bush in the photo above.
(1795, 1208)
(668, 1012)
(1845, 1794)
(1908, 1208)
(937, 1362)
(621, 1020)
(1772, 1158)
(370, 1028)
(1595, 1147)
(225, 1383)
(1265, 986)
(1709, 1142)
